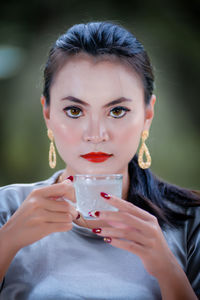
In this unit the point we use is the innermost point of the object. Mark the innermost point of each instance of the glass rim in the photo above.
(117, 176)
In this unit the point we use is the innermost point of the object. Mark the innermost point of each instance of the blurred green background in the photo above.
(169, 31)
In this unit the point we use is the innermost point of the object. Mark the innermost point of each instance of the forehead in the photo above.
(86, 75)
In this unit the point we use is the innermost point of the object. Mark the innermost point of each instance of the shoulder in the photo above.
(193, 224)
(12, 195)
(194, 211)
(17, 192)
(24, 188)
(193, 246)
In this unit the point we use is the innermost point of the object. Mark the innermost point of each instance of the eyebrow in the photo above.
(76, 100)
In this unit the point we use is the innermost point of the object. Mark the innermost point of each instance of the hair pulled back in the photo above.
(99, 39)
(102, 39)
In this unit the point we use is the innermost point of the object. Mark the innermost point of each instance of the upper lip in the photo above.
(95, 154)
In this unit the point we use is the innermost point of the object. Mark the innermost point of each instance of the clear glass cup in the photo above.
(89, 187)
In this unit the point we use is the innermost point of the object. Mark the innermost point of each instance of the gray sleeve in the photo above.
(11, 197)
(193, 250)
(9, 202)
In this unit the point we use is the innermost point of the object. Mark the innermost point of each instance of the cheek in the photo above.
(129, 133)
(66, 134)
(127, 141)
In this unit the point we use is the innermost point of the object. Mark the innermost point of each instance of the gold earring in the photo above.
(52, 151)
(144, 149)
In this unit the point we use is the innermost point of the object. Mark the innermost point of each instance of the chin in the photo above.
(99, 169)
(87, 167)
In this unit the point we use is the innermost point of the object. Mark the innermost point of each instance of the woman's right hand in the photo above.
(42, 213)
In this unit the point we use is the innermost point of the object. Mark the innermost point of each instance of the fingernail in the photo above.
(107, 239)
(70, 178)
(106, 196)
(78, 216)
(96, 230)
(94, 213)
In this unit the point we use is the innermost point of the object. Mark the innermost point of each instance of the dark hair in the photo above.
(99, 39)
(167, 202)
(102, 39)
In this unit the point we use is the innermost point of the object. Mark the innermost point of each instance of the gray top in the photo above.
(78, 264)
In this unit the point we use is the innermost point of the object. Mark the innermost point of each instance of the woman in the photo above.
(98, 101)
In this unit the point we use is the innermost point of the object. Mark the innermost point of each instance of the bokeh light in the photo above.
(169, 32)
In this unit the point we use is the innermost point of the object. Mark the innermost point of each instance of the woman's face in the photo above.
(97, 106)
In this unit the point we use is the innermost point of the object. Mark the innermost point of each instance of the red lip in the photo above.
(96, 157)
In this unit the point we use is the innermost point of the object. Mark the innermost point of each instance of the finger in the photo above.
(116, 224)
(54, 205)
(128, 220)
(126, 245)
(49, 204)
(57, 227)
(63, 189)
(56, 217)
(129, 234)
(59, 206)
(124, 205)
(69, 201)
(75, 214)
(72, 212)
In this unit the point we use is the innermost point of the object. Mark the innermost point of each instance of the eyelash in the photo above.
(66, 109)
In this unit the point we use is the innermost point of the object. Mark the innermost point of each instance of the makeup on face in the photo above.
(76, 112)
(97, 116)
(96, 157)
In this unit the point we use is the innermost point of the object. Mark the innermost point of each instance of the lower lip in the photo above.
(97, 159)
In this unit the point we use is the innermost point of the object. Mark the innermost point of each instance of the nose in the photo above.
(95, 132)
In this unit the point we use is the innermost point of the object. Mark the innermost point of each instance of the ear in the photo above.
(46, 110)
(149, 113)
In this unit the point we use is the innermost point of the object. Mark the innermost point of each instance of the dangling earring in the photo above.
(52, 151)
(144, 149)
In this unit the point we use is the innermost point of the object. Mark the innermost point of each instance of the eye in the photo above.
(119, 112)
(73, 112)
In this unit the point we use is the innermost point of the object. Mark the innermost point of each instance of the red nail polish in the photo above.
(70, 178)
(96, 230)
(97, 213)
(107, 239)
(78, 216)
(94, 213)
(106, 196)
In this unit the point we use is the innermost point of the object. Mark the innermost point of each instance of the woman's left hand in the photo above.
(137, 231)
